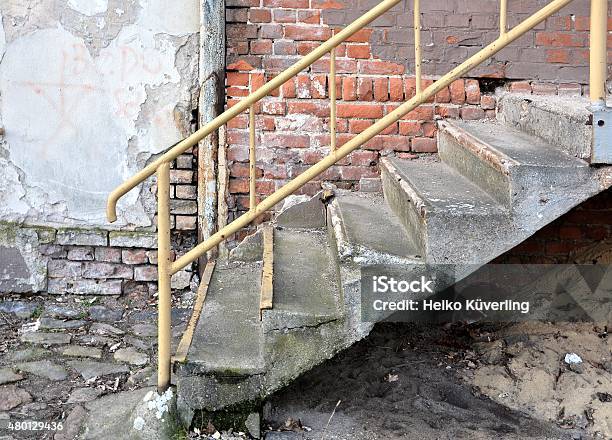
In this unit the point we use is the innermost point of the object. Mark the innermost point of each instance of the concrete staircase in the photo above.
(493, 184)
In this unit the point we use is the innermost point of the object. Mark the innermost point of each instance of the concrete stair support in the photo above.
(494, 184)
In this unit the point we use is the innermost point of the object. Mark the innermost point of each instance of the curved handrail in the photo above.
(243, 104)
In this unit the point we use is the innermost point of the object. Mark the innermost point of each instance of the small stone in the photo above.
(91, 369)
(105, 329)
(145, 330)
(138, 343)
(45, 338)
(11, 396)
(46, 369)
(8, 376)
(81, 351)
(61, 311)
(253, 425)
(28, 354)
(131, 356)
(52, 323)
(101, 313)
(572, 358)
(97, 340)
(21, 309)
(72, 424)
(81, 395)
(146, 374)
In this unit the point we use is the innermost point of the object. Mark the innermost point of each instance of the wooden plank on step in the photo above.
(267, 275)
(185, 343)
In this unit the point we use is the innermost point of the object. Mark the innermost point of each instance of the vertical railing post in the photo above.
(163, 276)
(598, 52)
(252, 159)
(332, 98)
(503, 17)
(417, 45)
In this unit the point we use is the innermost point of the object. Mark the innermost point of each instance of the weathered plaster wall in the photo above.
(90, 91)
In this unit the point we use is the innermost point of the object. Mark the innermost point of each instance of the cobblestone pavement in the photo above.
(60, 354)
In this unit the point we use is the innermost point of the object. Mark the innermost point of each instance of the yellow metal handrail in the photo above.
(161, 166)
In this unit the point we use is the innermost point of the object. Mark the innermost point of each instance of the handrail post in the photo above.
(252, 159)
(164, 277)
(598, 53)
(417, 45)
(503, 17)
(332, 98)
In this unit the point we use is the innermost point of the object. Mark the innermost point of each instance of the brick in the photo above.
(307, 33)
(99, 270)
(181, 176)
(379, 67)
(178, 206)
(284, 47)
(309, 16)
(364, 89)
(396, 89)
(289, 89)
(81, 253)
(349, 89)
(188, 192)
(79, 237)
(472, 91)
(308, 108)
(145, 273)
(64, 269)
(261, 47)
(560, 39)
(544, 89)
(381, 89)
(487, 102)
(237, 79)
(303, 87)
(361, 51)
(457, 91)
(472, 113)
(318, 87)
(285, 15)
(134, 256)
(285, 140)
(520, 87)
(363, 158)
(110, 255)
(557, 56)
(186, 223)
(147, 240)
(424, 145)
(396, 143)
(86, 287)
(350, 110)
(257, 15)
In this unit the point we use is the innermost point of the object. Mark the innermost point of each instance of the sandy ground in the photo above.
(407, 382)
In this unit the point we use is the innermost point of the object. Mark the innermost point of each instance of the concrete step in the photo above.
(306, 280)
(228, 337)
(564, 122)
(368, 231)
(448, 218)
(517, 169)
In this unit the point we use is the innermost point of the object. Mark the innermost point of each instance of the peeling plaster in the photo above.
(22, 267)
(178, 18)
(89, 7)
(83, 112)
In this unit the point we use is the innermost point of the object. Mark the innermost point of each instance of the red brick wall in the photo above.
(584, 226)
(375, 75)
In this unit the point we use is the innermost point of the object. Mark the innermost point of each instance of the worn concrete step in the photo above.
(367, 229)
(564, 122)
(448, 218)
(306, 280)
(228, 338)
(510, 165)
